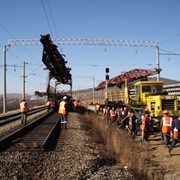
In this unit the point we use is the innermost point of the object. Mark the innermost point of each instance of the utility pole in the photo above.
(106, 87)
(93, 89)
(157, 63)
(157, 59)
(24, 80)
(4, 77)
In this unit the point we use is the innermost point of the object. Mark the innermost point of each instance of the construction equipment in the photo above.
(142, 94)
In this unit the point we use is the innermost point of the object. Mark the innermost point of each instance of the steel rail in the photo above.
(8, 140)
(15, 116)
(50, 137)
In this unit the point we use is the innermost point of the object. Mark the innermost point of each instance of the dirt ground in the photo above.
(157, 163)
(167, 167)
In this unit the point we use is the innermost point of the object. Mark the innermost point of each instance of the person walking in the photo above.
(106, 114)
(176, 134)
(145, 126)
(97, 108)
(132, 124)
(166, 124)
(49, 105)
(23, 110)
(63, 111)
(124, 116)
(113, 115)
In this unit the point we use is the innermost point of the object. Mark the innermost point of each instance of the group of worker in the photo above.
(125, 119)
(62, 111)
(170, 131)
(170, 127)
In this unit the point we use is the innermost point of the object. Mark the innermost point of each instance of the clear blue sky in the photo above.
(151, 20)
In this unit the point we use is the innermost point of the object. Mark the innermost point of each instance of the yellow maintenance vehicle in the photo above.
(142, 93)
(150, 94)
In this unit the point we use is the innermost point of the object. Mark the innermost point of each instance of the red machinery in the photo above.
(132, 75)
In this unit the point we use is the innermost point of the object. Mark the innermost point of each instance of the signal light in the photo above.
(107, 77)
(107, 70)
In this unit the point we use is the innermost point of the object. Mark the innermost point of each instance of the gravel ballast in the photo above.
(77, 156)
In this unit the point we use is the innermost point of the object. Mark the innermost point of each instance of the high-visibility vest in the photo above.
(176, 133)
(75, 103)
(23, 107)
(62, 109)
(145, 123)
(48, 103)
(166, 126)
(97, 107)
(105, 111)
(113, 115)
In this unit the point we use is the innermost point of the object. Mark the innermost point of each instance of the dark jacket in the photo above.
(175, 123)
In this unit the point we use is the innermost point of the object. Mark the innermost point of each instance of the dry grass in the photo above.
(120, 146)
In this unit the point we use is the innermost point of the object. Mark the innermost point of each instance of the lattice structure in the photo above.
(54, 61)
(132, 75)
(103, 42)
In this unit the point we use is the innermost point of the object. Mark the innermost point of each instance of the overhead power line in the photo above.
(46, 16)
(167, 52)
(54, 25)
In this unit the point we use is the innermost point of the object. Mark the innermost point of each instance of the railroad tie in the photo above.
(23, 145)
(16, 140)
(35, 144)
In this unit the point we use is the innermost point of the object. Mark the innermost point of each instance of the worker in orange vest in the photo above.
(113, 114)
(176, 134)
(23, 110)
(63, 111)
(166, 123)
(97, 108)
(145, 126)
(49, 105)
(106, 114)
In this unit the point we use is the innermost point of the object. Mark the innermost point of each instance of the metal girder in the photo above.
(103, 42)
(132, 75)
(54, 61)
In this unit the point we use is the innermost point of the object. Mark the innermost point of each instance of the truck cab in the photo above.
(151, 95)
(145, 88)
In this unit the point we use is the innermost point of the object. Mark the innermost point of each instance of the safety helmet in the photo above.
(165, 111)
(146, 109)
(65, 97)
(146, 112)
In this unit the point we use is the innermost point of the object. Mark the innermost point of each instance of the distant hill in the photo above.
(19, 95)
(165, 80)
(14, 95)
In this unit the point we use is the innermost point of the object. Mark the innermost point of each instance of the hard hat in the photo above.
(65, 97)
(165, 111)
(146, 112)
(146, 109)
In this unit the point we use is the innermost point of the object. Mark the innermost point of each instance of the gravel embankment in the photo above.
(77, 157)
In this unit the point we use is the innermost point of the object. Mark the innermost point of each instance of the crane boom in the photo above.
(130, 76)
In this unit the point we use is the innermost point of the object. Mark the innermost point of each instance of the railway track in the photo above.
(6, 119)
(41, 134)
